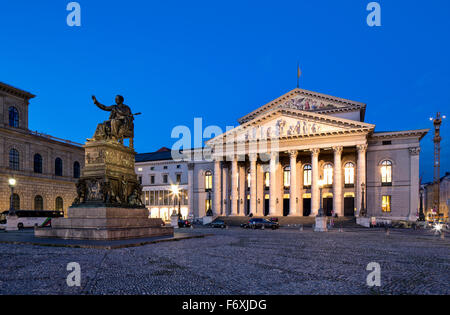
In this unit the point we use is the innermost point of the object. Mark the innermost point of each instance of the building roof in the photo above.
(15, 91)
(162, 154)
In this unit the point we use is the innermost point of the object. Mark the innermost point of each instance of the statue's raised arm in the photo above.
(100, 105)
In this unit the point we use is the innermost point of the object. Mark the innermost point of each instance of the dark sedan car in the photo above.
(184, 223)
(218, 224)
(260, 223)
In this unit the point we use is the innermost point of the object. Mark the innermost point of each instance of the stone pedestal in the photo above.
(174, 221)
(12, 222)
(104, 223)
(321, 224)
(363, 221)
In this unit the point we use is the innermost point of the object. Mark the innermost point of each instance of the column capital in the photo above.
(414, 151)
(338, 149)
(362, 147)
(293, 154)
(315, 151)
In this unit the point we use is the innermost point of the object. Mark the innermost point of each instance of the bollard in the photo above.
(192, 226)
(340, 230)
(301, 227)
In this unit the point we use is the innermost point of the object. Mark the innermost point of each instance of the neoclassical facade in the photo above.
(302, 150)
(45, 168)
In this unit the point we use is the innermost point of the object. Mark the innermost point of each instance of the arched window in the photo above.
(58, 167)
(37, 165)
(14, 159)
(349, 169)
(13, 117)
(328, 174)
(208, 180)
(386, 172)
(59, 204)
(38, 203)
(16, 202)
(287, 176)
(76, 170)
(307, 175)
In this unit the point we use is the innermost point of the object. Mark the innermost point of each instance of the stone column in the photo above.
(337, 182)
(315, 202)
(414, 182)
(361, 178)
(273, 183)
(217, 187)
(234, 187)
(253, 184)
(191, 188)
(293, 189)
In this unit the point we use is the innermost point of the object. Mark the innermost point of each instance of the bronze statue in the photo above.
(120, 124)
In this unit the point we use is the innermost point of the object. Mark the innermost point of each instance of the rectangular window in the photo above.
(140, 180)
(178, 166)
(165, 179)
(152, 179)
(152, 168)
(178, 178)
(386, 204)
(267, 179)
(165, 167)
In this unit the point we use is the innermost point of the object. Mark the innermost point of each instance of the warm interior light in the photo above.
(175, 189)
(12, 182)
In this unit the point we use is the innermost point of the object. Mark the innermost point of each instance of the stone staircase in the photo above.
(292, 221)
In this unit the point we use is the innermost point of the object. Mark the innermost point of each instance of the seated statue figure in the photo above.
(120, 124)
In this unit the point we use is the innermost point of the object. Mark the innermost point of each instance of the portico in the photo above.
(288, 151)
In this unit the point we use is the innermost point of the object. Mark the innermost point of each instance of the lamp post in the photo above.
(421, 214)
(175, 192)
(320, 212)
(363, 213)
(12, 183)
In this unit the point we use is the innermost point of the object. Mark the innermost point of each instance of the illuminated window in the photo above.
(328, 174)
(249, 179)
(207, 204)
(59, 204)
(307, 175)
(267, 179)
(14, 159)
(349, 173)
(386, 172)
(208, 180)
(287, 176)
(386, 204)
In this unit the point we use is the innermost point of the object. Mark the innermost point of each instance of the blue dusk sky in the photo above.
(219, 60)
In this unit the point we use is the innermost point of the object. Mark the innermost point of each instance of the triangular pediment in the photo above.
(287, 123)
(307, 101)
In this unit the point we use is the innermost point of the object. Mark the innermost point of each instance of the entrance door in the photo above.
(266, 207)
(286, 207)
(328, 206)
(349, 206)
(306, 207)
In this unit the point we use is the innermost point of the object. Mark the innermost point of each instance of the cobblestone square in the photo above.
(235, 261)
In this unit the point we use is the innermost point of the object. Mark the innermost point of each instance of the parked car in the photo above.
(184, 223)
(218, 224)
(260, 223)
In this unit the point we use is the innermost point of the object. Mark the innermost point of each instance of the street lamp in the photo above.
(320, 212)
(363, 213)
(12, 183)
(175, 192)
(421, 214)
